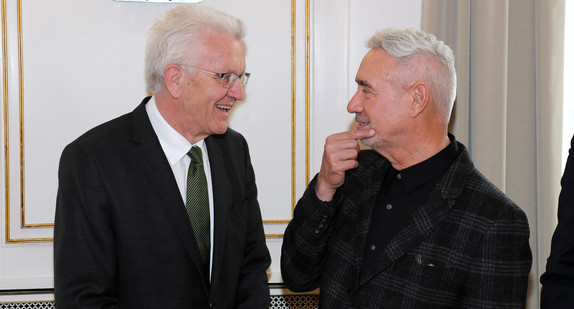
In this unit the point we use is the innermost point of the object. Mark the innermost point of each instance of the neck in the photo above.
(416, 150)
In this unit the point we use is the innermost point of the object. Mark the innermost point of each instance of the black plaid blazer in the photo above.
(466, 247)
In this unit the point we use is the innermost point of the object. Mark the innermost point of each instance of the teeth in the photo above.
(364, 123)
(223, 107)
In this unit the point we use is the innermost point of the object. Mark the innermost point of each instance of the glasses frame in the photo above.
(231, 77)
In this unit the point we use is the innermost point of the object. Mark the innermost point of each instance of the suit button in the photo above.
(210, 305)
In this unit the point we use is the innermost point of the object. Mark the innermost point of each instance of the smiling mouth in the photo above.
(223, 107)
(364, 123)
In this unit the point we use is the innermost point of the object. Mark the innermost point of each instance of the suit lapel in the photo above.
(221, 203)
(373, 185)
(362, 187)
(151, 158)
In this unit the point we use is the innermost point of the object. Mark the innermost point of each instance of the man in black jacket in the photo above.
(558, 280)
(410, 223)
(126, 232)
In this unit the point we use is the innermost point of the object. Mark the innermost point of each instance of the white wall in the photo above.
(82, 64)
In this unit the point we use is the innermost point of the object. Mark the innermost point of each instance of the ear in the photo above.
(420, 98)
(173, 79)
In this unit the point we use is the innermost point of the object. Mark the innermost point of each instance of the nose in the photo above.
(236, 91)
(355, 105)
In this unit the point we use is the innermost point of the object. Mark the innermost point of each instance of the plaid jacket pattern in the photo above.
(466, 247)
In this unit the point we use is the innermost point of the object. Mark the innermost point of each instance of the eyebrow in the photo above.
(363, 83)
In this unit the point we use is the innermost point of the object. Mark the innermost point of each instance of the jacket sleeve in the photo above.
(305, 241)
(558, 280)
(84, 255)
(498, 272)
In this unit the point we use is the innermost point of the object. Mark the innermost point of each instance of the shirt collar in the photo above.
(417, 175)
(174, 145)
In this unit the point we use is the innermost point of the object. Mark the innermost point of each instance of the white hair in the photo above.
(178, 31)
(420, 56)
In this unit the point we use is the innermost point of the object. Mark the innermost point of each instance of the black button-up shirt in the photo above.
(402, 193)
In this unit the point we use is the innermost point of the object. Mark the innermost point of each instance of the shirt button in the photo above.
(389, 206)
(399, 176)
(419, 259)
(373, 247)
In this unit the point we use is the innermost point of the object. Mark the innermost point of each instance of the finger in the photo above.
(336, 147)
(351, 135)
(338, 168)
(349, 154)
(362, 133)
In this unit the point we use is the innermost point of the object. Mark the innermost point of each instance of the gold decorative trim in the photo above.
(293, 110)
(5, 96)
(293, 116)
(23, 223)
(277, 221)
(293, 106)
(307, 90)
(9, 239)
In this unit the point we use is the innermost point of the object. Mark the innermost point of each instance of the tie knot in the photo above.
(195, 155)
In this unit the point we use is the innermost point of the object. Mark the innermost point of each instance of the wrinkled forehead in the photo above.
(222, 52)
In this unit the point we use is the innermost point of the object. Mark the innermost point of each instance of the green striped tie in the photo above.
(197, 205)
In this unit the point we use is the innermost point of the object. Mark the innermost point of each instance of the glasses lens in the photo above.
(244, 79)
(229, 79)
(226, 80)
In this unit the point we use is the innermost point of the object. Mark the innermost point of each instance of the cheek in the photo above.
(217, 95)
(380, 115)
(375, 110)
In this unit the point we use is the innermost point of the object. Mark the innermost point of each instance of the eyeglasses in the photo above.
(227, 79)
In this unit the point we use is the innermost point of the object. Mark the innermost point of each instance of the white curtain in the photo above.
(509, 56)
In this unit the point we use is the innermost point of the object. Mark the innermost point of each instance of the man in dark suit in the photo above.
(123, 237)
(410, 223)
(558, 280)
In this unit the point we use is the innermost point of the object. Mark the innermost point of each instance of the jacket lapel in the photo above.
(372, 183)
(221, 204)
(151, 158)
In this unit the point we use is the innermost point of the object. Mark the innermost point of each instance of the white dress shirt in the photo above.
(175, 147)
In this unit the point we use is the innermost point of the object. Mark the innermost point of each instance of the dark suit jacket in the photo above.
(466, 247)
(122, 237)
(558, 280)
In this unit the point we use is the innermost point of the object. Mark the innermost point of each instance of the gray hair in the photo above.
(420, 56)
(178, 31)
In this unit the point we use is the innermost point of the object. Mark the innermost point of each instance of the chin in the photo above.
(367, 142)
(371, 142)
